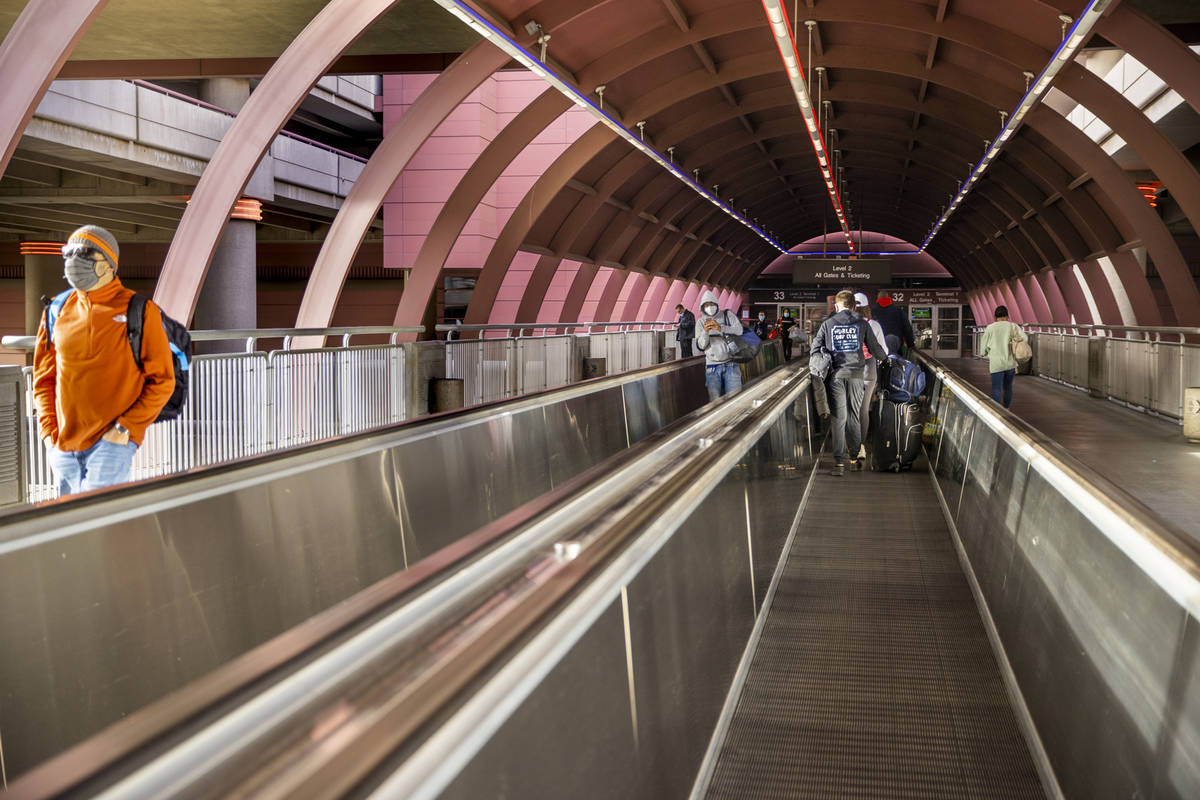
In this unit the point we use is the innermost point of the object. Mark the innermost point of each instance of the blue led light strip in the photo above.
(496, 36)
(1066, 51)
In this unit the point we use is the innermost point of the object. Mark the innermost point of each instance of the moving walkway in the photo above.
(608, 632)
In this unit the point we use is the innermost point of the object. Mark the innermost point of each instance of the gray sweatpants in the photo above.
(845, 401)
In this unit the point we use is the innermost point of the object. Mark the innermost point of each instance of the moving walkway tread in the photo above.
(874, 677)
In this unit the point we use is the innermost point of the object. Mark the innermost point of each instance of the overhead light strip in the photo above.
(817, 254)
(782, 31)
(1067, 49)
(499, 38)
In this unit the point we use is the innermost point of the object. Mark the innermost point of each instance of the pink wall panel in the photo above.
(651, 305)
(1072, 292)
(508, 298)
(973, 302)
(674, 297)
(1033, 290)
(587, 312)
(691, 297)
(1102, 293)
(1017, 289)
(420, 192)
(631, 281)
(1054, 297)
(556, 292)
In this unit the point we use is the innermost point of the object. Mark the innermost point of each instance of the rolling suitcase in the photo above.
(897, 437)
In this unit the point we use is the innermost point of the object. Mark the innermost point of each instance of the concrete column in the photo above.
(227, 93)
(422, 366)
(229, 298)
(43, 277)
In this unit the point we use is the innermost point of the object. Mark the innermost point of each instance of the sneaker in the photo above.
(862, 451)
(856, 465)
(838, 470)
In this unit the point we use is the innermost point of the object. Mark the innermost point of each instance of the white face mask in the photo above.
(710, 309)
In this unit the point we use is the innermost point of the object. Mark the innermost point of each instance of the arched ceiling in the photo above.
(915, 88)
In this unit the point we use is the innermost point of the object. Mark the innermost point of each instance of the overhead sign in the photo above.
(788, 295)
(846, 271)
(927, 297)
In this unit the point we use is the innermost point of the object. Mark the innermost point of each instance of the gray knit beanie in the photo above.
(96, 237)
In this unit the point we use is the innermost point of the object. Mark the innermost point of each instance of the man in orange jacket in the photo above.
(94, 404)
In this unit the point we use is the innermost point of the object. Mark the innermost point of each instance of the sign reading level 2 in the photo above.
(842, 270)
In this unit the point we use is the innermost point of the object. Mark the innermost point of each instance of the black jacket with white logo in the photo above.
(842, 337)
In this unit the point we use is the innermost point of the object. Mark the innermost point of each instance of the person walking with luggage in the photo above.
(996, 346)
(799, 338)
(842, 337)
(94, 402)
(686, 332)
(722, 374)
(785, 328)
(870, 369)
(894, 321)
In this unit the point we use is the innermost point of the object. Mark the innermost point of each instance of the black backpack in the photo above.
(177, 337)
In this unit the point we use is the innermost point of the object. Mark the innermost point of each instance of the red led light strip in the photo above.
(778, 20)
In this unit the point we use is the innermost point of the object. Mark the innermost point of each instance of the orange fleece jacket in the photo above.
(86, 379)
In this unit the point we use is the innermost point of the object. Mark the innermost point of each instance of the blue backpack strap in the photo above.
(181, 358)
(53, 309)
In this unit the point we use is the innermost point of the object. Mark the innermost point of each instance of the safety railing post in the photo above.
(512, 381)
(396, 411)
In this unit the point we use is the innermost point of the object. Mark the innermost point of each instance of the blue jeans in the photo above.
(1002, 383)
(102, 464)
(722, 379)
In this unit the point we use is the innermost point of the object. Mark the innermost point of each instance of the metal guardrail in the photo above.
(249, 403)
(1139, 368)
(252, 336)
(1092, 597)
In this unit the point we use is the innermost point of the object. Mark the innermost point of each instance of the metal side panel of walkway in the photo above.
(874, 677)
(1145, 455)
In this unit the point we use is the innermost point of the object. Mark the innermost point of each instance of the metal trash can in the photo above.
(14, 475)
(594, 368)
(447, 394)
(1191, 413)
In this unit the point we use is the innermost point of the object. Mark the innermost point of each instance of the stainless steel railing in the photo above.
(533, 357)
(248, 403)
(1147, 368)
